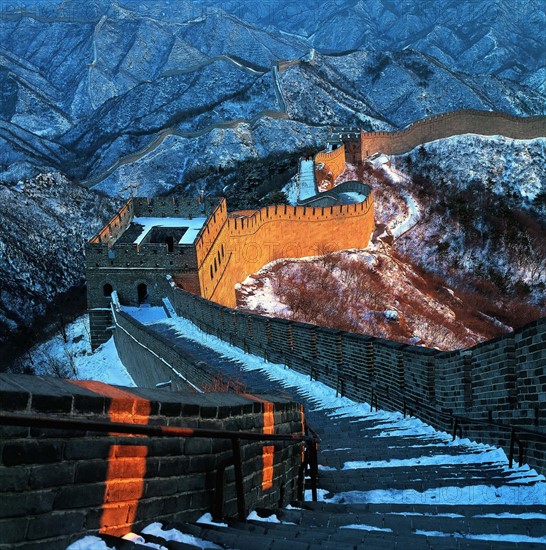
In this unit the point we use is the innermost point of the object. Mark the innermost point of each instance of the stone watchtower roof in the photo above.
(149, 229)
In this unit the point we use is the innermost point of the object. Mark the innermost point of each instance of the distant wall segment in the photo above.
(450, 124)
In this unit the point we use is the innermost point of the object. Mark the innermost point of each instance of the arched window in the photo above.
(211, 272)
(219, 258)
(222, 251)
(142, 291)
(215, 265)
(170, 244)
(107, 290)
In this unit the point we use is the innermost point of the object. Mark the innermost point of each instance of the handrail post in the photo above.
(313, 466)
(512, 443)
(218, 504)
(239, 486)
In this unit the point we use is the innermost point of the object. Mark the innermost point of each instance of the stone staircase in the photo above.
(307, 185)
(384, 482)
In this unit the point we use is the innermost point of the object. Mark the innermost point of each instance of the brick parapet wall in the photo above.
(502, 379)
(451, 124)
(57, 486)
(334, 164)
(108, 235)
(152, 359)
(242, 244)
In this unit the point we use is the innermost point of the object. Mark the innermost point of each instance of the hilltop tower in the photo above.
(145, 241)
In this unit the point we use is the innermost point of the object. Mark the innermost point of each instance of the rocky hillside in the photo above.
(138, 96)
(500, 37)
(484, 212)
(45, 223)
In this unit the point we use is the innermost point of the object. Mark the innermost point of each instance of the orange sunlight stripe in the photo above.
(268, 452)
(124, 488)
(126, 463)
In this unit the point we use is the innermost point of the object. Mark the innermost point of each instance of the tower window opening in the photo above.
(142, 291)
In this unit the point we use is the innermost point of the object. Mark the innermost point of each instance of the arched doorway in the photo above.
(170, 244)
(142, 291)
(107, 290)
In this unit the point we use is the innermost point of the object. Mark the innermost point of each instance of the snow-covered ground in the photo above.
(413, 217)
(193, 227)
(482, 202)
(145, 313)
(73, 358)
(307, 179)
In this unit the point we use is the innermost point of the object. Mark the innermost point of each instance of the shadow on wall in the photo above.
(501, 381)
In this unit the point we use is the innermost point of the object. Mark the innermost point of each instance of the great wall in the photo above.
(57, 485)
(446, 125)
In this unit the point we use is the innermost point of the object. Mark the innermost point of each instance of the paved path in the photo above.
(385, 482)
(307, 180)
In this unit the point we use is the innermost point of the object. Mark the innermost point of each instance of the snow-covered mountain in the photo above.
(45, 223)
(389, 90)
(484, 207)
(501, 37)
(148, 95)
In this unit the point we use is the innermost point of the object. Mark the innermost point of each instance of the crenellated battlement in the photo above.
(108, 235)
(485, 123)
(240, 243)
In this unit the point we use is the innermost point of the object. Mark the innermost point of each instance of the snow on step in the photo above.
(383, 478)
(307, 179)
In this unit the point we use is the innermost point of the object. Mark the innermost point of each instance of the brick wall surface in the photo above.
(502, 380)
(243, 245)
(57, 485)
(451, 124)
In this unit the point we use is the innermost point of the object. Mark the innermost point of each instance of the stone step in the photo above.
(272, 536)
(406, 522)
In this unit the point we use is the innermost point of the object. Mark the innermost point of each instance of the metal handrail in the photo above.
(310, 441)
(517, 433)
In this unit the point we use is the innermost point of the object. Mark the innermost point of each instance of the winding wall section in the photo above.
(485, 123)
(233, 246)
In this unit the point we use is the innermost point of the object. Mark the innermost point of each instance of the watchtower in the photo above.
(145, 241)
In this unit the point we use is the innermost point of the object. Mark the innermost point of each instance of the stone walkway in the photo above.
(307, 180)
(385, 482)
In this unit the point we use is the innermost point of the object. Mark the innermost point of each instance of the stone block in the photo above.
(31, 452)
